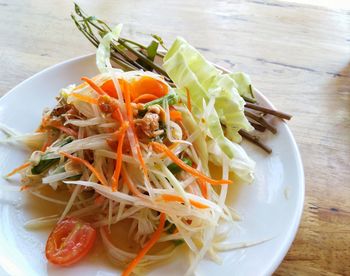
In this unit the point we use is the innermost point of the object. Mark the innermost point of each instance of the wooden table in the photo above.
(297, 55)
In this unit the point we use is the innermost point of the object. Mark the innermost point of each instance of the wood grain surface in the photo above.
(298, 55)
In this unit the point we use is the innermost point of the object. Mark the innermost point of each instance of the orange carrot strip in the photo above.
(173, 146)
(121, 132)
(84, 98)
(145, 98)
(45, 146)
(127, 96)
(117, 115)
(118, 162)
(48, 143)
(184, 166)
(67, 130)
(117, 134)
(94, 86)
(203, 187)
(130, 185)
(152, 241)
(100, 177)
(176, 198)
(175, 115)
(18, 169)
(189, 105)
(62, 128)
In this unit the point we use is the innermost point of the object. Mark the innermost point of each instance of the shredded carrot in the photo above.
(48, 142)
(117, 134)
(18, 169)
(131, 187)
(94, 86)
(175, 115)
(189, 105)
(118, 162)
(173, 146)
(112, 142)
(58, 125)
(184, 166)
(121, 135)
(203, 187)
(176, 198)
(84, 98)
(152, 241)
(117, 115)
(67, 130)
(45, 146)
(127, 96)
(145, 98)
(99, 176)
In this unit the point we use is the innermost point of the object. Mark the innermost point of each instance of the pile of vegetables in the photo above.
(137, 146)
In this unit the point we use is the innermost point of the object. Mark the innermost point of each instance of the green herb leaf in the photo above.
(74, 177)
(171, 229)
(171, 98)
(174, 168)
(44, 163)
(178, 242)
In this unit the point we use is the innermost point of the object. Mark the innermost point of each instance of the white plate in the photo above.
(270, 207)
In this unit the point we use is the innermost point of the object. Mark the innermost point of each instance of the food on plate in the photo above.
(146, 152)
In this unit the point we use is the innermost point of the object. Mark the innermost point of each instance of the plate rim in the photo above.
(296, 220)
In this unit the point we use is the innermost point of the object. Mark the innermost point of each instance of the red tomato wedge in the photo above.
(69, 242)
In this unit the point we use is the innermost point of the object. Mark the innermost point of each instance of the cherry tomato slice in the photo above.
(69, 242)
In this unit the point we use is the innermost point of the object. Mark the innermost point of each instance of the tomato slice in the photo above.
(69, 242)
(109, 88)
(139, 87)
(149, 85)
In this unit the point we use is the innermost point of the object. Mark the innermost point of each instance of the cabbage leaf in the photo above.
(103, 52)
(190, 70)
